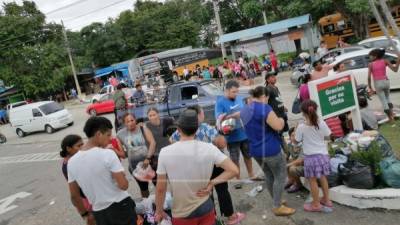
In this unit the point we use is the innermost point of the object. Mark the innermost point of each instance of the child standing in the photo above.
(312, 134)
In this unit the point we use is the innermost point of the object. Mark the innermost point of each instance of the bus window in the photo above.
(329, 28)
(341, 25)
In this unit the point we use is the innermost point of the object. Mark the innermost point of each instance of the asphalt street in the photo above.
(34, 192)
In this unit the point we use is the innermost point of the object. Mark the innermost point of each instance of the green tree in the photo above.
(32, 53)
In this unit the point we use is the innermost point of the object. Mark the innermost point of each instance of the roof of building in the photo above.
(268, 28)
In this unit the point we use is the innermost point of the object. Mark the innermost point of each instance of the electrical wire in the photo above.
(91, 12)
(66, 6)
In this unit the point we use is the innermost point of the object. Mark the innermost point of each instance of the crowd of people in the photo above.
(243, 68)
(188, 157)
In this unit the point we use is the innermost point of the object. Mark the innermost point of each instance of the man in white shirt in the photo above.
(322, 49)
(100, 175)
(187, 166)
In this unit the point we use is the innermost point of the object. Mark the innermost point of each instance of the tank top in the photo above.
(379, 69)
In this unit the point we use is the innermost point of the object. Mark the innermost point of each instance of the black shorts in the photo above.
(119, 213)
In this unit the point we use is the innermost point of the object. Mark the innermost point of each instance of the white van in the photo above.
(39, 116)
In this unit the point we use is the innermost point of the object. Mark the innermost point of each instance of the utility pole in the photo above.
(381, 23)
(263, 4)
(220, 32)
(78, 88)
(389, 18)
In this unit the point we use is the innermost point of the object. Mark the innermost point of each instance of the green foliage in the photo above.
(33, 57)
(285, 57)
(371, 157)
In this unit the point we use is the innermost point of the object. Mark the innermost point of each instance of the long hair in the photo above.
(309, 109)
(68, 141)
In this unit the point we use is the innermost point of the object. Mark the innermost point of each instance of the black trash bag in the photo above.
(334, 180)
(356, 175)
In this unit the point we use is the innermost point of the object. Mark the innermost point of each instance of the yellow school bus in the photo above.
(335, 26)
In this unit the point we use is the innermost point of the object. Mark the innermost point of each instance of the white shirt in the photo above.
(188, 166)
(313, 139)
(185, 72)
(92, 170)
(321, 52)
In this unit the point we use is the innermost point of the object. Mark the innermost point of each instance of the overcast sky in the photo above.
(80, 12)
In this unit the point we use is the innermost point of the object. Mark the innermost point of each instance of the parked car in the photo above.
(330, 56)
(379, 42)
(357, 63)
(40, 116)
(108, 89)
(104, 105)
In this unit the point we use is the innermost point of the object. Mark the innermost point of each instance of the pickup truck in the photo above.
(179, 96)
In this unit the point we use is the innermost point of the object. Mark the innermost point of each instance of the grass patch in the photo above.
(392, 134)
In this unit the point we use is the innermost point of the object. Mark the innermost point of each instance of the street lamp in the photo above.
(220, 32)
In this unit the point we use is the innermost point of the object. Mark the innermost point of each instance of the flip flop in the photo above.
(327, 204)
(308, 207)
(239, 217)
(257, 178)
(238, 186)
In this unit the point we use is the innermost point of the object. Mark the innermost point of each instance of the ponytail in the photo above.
(258, 92)
(68, 141)
(309, 109)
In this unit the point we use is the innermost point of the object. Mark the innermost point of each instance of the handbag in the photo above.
(296, 104)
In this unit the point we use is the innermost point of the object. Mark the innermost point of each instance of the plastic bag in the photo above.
(336, 161)
(142, 174)
(296, 105)
(386, 148)
(334, 180)
(390, 168)
(356, 175)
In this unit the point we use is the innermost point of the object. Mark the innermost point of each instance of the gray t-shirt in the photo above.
(134, 143)
(369, 118)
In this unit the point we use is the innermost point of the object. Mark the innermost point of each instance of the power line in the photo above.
(66, 6)
(99, 9)
(91, 12)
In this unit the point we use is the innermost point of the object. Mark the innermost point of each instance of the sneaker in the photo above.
(237, 218)
(283, 211)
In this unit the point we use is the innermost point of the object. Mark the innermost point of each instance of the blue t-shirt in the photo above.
(263, 140)
(228, 106)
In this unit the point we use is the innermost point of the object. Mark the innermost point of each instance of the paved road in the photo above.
(33, 191)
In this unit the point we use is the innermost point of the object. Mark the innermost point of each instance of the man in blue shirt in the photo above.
(237, 140)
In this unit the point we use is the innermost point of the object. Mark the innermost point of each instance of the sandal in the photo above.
(288, 185)
(257, 178)
(328, 204)
(238, 186)
(308, 207)
(238, 217)
(293, 189)
(283, 211)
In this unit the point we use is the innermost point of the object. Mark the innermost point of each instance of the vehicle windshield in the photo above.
(50, 108)
(212, 89)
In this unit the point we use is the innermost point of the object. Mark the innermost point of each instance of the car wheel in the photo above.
(70, 124)
(20, 133)
(93, 112)
(48, 129)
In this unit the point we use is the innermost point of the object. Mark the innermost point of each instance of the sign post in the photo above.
(335, 95)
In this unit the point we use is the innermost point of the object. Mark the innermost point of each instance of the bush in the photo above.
(284, 57)
(371, 157)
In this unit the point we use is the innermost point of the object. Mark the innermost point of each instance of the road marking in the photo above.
(5, 203)
(36, 157)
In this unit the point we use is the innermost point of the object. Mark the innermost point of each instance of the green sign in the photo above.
(16, 98)
(336, 95)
